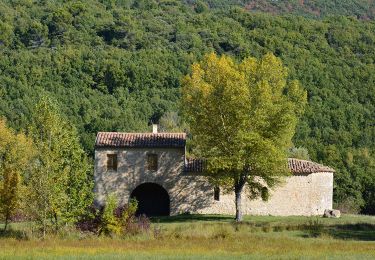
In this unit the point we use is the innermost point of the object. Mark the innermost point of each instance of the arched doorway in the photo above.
(153, 200)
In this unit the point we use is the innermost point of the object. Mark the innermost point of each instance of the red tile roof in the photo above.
(116, 139)
(296, 166)
(303, 166)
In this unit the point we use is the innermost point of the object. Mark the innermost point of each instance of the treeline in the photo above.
(117, 65)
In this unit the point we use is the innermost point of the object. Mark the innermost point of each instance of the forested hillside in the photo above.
(117, 65)
(362, 9)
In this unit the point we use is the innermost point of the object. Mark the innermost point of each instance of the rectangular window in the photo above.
(111, 162)
(152, 162)
(217, 193)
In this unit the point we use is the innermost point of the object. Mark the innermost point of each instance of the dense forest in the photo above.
(117, 65)
(362, 9)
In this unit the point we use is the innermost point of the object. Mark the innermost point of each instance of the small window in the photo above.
(152, 162)
(111, 162)
(217, 193)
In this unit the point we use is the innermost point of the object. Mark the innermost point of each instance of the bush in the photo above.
(113, 220)
(90, 222)
(137, 225)
(110, 224)
(349, 206)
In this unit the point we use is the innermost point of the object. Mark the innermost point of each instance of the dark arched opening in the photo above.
(153, 200)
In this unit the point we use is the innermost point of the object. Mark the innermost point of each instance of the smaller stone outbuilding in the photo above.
(153, 168)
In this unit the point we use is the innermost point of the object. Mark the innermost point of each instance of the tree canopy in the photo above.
(242, 118)
(60, 188)
(16, 152)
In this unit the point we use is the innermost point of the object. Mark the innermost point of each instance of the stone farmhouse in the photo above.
(154, 169)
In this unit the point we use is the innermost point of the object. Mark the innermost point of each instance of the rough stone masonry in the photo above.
(153, 168)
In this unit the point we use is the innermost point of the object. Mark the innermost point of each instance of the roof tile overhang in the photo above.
(140, 140)
(296, 166)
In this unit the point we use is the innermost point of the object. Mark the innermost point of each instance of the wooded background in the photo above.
(117, 65)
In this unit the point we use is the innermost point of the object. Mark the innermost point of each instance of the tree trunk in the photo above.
(238, 206)
(6, 223)
(56, 223)
(44, 224)
(238, 192)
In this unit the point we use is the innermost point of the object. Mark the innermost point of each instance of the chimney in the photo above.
(154, 128)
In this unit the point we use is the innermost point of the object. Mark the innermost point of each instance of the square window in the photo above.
(152, 162)
(111, 162)
(216, 193)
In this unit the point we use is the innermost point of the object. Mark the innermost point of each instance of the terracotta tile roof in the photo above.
(303, 166)
(116, 139)
(296, 166)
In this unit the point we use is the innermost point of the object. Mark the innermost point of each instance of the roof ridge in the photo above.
(123, 139)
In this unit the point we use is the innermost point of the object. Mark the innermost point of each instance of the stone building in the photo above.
(153, 168)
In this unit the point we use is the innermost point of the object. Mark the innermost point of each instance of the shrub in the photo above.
(137, 225)
(349, 206)
(113, 220)
(90, 222)
(110, 224)
(127, 213)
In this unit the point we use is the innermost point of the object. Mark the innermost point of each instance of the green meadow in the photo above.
(206, 237)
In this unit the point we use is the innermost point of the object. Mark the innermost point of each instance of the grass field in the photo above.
(209, 237)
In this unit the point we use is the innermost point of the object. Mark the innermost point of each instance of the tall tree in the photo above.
(60, 186)
(242, 118)
(16, 151)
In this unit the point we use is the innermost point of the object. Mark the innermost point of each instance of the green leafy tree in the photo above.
(16, 152)
(299, 153)
(242, 118)
(172, 122)
(60, 188)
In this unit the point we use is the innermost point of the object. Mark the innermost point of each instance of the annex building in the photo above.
(154, 169)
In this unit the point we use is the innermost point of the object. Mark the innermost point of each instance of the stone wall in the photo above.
(299, 195)
(187, 193)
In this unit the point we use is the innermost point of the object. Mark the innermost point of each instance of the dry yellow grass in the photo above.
(210, 239)
(267, 245)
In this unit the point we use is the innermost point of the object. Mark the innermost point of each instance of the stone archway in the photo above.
(153, 200)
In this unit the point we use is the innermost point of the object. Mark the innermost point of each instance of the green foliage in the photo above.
(242, 117)
(16, 152)
(129, 212)
(59, 185)
(116, 66)
(299, 153)
(115, 220)
(361, 9)
(110, 224)
(316, 9)
(172, 122)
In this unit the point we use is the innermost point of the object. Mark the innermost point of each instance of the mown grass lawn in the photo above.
(211, 237)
